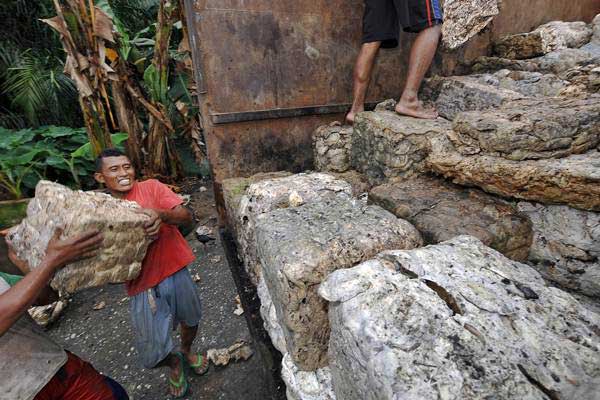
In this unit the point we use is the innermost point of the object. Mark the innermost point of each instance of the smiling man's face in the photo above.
(117, 174)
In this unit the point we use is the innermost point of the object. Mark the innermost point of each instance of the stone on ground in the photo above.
(441, 211)
(386, 145)
(531, 84)
(267, 195)
(298, 247)
(584, 79)
(269, 316)
(555, 62)
(300, 385)
(54, 206)
(566, 246)
(596, 29)
(457, 321)
(549, 37)
(562, 60)
(306, 385)
(530, 129)
(331, 144)
(573, 180)
(359, 182)
(492, 64)
(235, 188)
(464, 93)
(465, 19)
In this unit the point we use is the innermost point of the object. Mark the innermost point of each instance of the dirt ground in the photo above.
(104, 336)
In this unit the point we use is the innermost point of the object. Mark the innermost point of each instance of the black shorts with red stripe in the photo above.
(383, 18)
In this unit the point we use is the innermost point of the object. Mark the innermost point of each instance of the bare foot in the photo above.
(198, 363)
(349, 120)
(415, 109)
(177, 380)
(352, 114)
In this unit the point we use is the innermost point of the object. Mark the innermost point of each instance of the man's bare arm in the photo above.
(178, 215)
(15, 301)
(47, 294)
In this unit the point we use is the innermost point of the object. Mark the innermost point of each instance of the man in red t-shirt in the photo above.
(164, 294)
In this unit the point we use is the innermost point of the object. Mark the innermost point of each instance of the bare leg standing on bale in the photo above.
(362, 77)
(421, 55)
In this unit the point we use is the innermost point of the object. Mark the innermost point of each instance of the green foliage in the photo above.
(34, 92)
(135, 20)
(51, 152)
(135, 15)
(33, 89)
(37, 87)
(21, 25)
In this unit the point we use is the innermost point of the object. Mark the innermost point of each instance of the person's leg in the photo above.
(188, 334)
(152, 324)
(188, 312)
(176, 367)
(362, 77)
(421, 56)
(380, 30)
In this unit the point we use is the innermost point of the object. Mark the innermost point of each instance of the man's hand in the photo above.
(61, 252)
(152, 226)
(15, 301)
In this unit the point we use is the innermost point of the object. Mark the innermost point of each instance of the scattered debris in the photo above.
(197, 278)
(100, 305)
(202, 189)
(45, 315)
(295, 200)
(186, 199)
(215, 259)
(240, 350)
(239, 310)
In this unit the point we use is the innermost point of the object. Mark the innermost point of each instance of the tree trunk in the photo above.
(95, 123)
(192, 126)
(84, 40)
(127, 117)
(163, 159)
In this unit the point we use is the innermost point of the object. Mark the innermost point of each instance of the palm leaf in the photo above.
(26, 85)
(38, 88)
(11, 120)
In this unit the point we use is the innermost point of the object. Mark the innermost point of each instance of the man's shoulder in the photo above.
(150, 185)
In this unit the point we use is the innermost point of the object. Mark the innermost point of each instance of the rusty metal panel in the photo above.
(264, 66)
(262, 55)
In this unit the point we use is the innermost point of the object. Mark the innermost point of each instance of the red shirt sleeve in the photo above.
(167, 200)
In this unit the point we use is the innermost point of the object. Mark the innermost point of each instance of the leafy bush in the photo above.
(51, 152)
